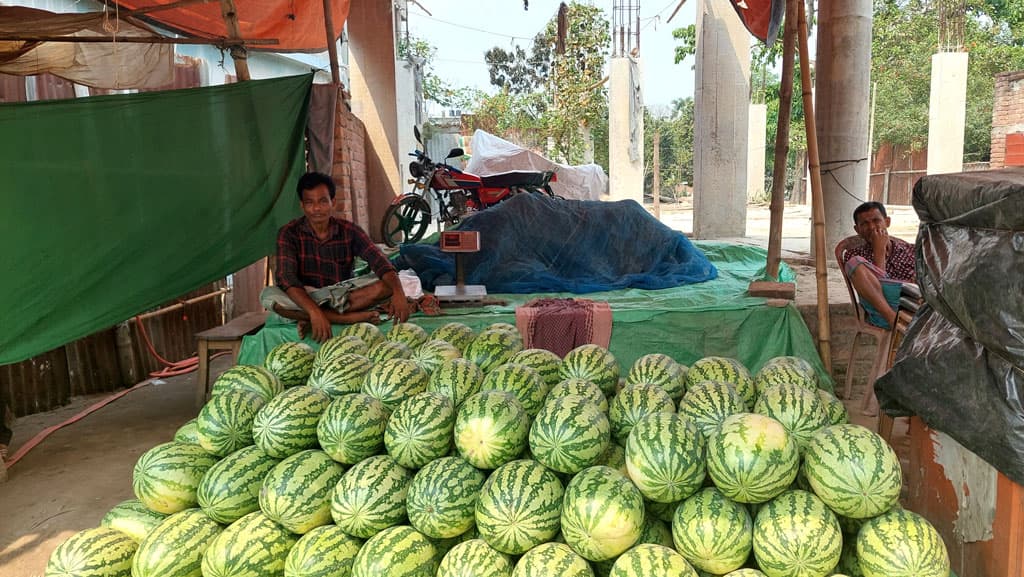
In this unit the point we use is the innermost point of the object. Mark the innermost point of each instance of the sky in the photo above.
(463, 31)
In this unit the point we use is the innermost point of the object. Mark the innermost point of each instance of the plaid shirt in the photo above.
(899, 262)
(305, 260)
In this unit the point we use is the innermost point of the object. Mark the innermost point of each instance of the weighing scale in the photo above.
(460, 242)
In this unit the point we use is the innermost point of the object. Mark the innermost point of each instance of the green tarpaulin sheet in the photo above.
(115, 204)
(688, 322)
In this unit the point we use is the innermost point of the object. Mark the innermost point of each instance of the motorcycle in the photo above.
(457, 194)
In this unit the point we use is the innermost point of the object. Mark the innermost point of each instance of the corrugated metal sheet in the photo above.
(12, 88)
(38, 384)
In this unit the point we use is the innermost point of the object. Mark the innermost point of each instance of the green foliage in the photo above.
(421, 53)
(687, 37)
(675, 150)
(515, 71)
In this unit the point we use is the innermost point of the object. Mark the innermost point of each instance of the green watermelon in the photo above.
(297, 492)
(457, 334)
(420, 430)
(660, 511)
(708, 403)
(389, 350)
(493, 348)
(132, 518)
(98, 552)
(545, 362)
(442, 546)
(366, 332)
(798, 409)
(352, 428)
(187, 433)
(726, 370)
(253, 546)
(291, 362)
(231, 488)
(580, 387)
(615, 457)
(552, 560)
(413, 336)
(287, 424)
(475, 558)
(594, 364)
(392, 381)
(251, 378)
(713, 533)
(661, 370)
(491, 429)
(795, 534)
(656, 532)
(752, 458)
(326, 551)
(432, 354)
(519, 507)
(901, 544)
(442, 497)
(647, 560)
(396, 552)
(509, 327)
(853, 470)
(339, 345)
(456, 379)
(569, 434)
(834, 408)
(175, 548)
(849, 563)
(665, 457)
(224, 424)
(780, 370)
(602, 513)
(341, 374)
(520, 380)
(166, 477)
(634, 402)
(752, 573)
(370, 497)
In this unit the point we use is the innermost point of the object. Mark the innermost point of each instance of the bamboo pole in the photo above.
(817, 199)
(778, 204)
(228, 12)
(657, 175)
(222, 42)
(183, 304)
(332, 43)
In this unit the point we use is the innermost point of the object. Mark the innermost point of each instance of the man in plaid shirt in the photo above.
(315, 255)
(879, 267)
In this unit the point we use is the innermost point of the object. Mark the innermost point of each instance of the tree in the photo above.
(676, 146)
(519, 73)
(421, 53)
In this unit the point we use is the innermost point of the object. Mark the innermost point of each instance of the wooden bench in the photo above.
(225, 337)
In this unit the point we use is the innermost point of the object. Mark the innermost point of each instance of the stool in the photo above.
(227, 337)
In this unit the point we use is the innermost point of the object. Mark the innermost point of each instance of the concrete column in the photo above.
(626, 175)
(405, 95)
(721, 103)
(842, 105)
(947, 113)
(756, 151)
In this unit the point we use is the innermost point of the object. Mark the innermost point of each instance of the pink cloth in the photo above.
(560, 325)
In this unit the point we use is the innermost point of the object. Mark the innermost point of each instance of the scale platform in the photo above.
(460, 293)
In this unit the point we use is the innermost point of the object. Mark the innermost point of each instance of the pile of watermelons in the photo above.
(461, 454)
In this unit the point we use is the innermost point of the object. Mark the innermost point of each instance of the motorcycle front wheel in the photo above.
(406, 221)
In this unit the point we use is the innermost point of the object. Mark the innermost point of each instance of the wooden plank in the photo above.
(246, 324)
(772, 290)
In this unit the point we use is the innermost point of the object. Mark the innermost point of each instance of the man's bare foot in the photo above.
(303, 328)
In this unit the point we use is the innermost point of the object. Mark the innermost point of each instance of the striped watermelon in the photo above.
(396, 552)
(493, 348)
(352, 428)
(569, 434)
(456, 379)
(187, 433)
(853, 470)
(519, 507)
(370, 497)
(252, 378)
(708, 403)
(253, 546)
(339, 345)
(341, 374)
(291, 362)
(475, 558)
(634, 402)
(665, 457)
(592, 363)
(552, 560)
(432, 354)
(287, 424)
(798, 409)
(297, 492)
(224, 424)
(166, 477)
(781, 370)
(502, 327)
(231, 488)
(753, 573)
(646, 560)
(98, 552)
(491, 429)
(834, 408)
(326, 551)
(615, 457)
(420, 430)
(366, 332)
(582, 388)
(442, 546)
(656, 532)
(661, 370)
(457, 334)
(602, 513)
(796, 535)
(388, 350)
(726, 370)
(545, 362)
(132, 518)
(442, 497)
(752, 458)
(901, 544)
(713, 533)
(395, 380)
(520, 380)
(849, 563)
(408, 334)
(175, 548)
(660, 511)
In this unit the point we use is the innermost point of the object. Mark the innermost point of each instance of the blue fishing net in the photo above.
(536, 244)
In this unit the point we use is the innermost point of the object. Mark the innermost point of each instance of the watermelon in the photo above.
(392, 381)
(341, 374)
(660, 511)
(166, 477)
(726, 370)
(231, 488)
(634, 402)
(546, 363)
(569, 434)
(297, 492)
(291, 362)
(352, 428)
(132, 518)
(420, 430)
(175, 548)
(602, 513)
(656, 532)
(326, 551)
(253, 546)
(713, 533)
(519, 507)
(339, 345)
(370, 497)
(708, 403)
(795, 534)
(646, 560)
(509, 327)
(224, 424)
(409, 334)
(475, 558)
(367, 332)
(798, 409)
(615, 457)
(901, 544)
(520, 380)
(853, 470)
(432, 354)
(396, 552)
(752, 573)
(287, 424)
(389, 350)
(752, 458)
(457, 334)
(661, 370)
(834, 408)
(456, 379)
(442, 496)
(552, 560)
(442, 546)
(791, 370)
(849, 563)
(594, 364)
(665, 457)
(583, 388)
(493, 348)
(491, 429)
(187, 433)
(251, 378)
(98, 552)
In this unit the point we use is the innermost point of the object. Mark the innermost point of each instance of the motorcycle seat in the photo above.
(516, 178)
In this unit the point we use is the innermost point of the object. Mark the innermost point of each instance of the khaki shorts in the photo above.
(335, 296)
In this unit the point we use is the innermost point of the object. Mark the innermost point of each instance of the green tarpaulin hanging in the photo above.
(113, 205)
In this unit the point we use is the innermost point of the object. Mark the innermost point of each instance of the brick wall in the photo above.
(349, 170)
(1007, 113)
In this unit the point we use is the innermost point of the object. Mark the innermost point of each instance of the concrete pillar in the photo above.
(756, 151)
(625, 170)
(721, 104)
(947, 113)
(842, 105)
(405, 95)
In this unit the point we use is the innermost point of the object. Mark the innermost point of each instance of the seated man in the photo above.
(879, 267)
(315, 255)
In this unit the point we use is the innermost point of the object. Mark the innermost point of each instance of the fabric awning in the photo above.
(761, 17)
